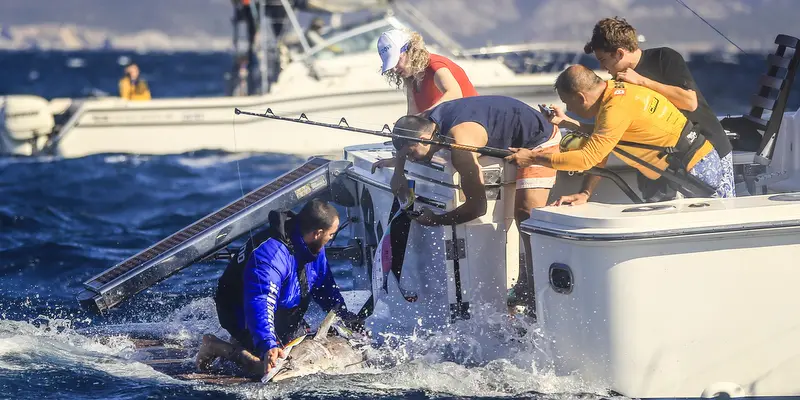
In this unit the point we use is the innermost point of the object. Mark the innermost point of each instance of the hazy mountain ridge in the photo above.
(205, 24)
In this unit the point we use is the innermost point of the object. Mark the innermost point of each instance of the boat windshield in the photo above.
(333, 32)
(358, 42)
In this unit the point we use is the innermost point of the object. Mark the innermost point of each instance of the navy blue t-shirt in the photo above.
(508, 121)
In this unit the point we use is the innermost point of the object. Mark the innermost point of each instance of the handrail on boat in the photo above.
(523, 47)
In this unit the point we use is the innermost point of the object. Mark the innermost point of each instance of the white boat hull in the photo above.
(682, 302)
(444, 265)
(174, 127)
(684, 299)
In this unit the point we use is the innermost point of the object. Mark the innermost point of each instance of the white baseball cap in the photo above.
(390, 45)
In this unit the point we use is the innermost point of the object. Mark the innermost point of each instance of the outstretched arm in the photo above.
(411, 108)
(675, 83)
(589, 183)
(679, 85)
(684, 99)
(448, 85)
(611, 125)
(263, 276)
(466, 163)
(469, 169)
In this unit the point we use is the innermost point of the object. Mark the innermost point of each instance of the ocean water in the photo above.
(62, 221)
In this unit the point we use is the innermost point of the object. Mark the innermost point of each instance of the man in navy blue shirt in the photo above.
(494, 121)
(261, 300)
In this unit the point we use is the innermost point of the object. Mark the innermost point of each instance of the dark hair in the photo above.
(576, 78)
(317, 22)
(610, 34)
(412, 126)
(316, 214)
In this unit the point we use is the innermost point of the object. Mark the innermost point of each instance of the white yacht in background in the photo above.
(324, 84)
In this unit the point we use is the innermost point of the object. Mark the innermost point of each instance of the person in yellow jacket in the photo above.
(641, 125)
(131, 87)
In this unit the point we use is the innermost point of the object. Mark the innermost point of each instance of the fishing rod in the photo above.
(483, 150)
(384, 132)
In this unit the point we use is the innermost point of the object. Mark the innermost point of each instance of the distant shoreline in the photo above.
(57, 37)
(203, 47)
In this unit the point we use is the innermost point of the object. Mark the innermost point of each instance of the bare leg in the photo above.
(209, 351)
(525, 201)
(214, 347)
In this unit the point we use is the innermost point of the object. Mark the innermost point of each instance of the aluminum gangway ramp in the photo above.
(208, 235)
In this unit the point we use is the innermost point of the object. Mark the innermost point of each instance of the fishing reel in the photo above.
(573, 140)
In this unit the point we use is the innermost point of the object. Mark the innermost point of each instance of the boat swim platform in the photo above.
(207, 236)
(177, 360)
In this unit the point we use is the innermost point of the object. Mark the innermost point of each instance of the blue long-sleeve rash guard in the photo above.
(270, 281)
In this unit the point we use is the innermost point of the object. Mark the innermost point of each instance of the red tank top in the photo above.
(426, 93)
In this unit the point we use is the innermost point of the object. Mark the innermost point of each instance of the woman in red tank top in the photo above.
(427, 79)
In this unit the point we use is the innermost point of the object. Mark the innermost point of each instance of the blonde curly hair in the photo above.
(417, 59)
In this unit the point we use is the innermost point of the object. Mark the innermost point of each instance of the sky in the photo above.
(473, 23)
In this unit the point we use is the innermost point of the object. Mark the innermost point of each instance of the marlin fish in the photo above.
(323, 352)
(390, 253)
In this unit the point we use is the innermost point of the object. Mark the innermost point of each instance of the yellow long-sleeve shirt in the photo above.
(130, 92)
(635, 114)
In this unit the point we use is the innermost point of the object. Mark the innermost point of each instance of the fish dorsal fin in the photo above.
(325, 326)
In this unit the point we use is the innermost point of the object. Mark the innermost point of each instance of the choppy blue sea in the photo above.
(62, 221)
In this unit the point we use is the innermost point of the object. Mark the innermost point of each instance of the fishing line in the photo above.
(709, 24)
(241, 189)
(239, 173)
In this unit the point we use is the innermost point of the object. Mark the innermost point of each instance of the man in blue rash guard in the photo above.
(261, 299)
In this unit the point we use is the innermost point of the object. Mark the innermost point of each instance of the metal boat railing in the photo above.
(551, 57)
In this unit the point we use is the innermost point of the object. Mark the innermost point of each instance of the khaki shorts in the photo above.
(537, 176)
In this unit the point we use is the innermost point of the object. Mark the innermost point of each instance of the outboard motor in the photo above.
(25, 124)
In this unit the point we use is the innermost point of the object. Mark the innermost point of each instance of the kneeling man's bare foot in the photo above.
(209, 351)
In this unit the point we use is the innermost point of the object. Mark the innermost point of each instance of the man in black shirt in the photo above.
(614, 43)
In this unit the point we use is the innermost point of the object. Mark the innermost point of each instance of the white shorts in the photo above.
(537, 176)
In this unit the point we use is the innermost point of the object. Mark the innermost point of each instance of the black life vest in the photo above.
(230, 290)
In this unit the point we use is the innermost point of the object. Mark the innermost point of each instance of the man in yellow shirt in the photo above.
(641, 126)
(131, 87)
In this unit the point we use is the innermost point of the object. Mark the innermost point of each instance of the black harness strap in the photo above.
(685, 182)
(678, 158)
(679, 155)
(305, 295)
